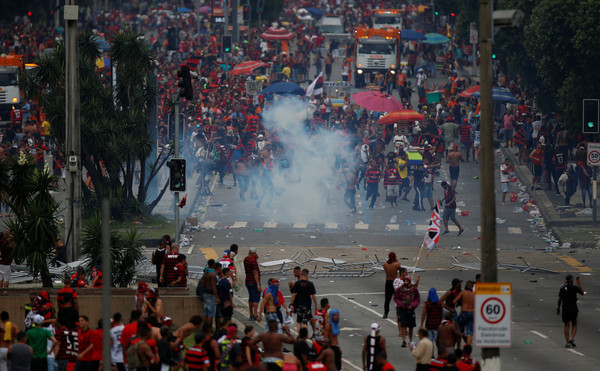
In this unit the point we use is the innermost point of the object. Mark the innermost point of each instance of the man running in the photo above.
(450, 208)
(453, 160)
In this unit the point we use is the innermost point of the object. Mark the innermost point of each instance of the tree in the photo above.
(562, 41)
(114, 121)
(125, 250)
(34, 228)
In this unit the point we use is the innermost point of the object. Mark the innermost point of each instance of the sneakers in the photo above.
(568, 345)
(460, 232)
(404, 344)
(572, 343)
(446, 232)
(385, 316)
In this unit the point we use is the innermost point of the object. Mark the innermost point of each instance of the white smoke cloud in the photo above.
(307, 190)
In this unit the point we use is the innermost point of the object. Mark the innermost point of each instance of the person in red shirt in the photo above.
(96, 340)
(196, 357)
(371, 182)
(68, 343)
(182, 272)
(383, 363)
(130, 330)
(167, 270)
(84, 358)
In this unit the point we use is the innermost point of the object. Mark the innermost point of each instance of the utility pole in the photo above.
(106, 284)
(73, 140)
(176, 155)
(226, 24)
(234, 21)
(491, 356)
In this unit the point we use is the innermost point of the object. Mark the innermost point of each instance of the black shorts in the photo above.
(303, 314)
(406, 317)
(454, 171)
(537, 170)
(569, 317)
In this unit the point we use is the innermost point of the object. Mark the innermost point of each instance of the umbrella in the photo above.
(101, 42)
(411, 35)
(204, 9)
(303, 15)
(470, 91)
(404, 115)
(247, 67)
(435, 38)
(277, 34)
(500, 95)
(183, 9)
(377, 101)
(315, 12)
(284, 88)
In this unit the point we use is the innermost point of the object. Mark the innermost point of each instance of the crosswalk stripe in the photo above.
(239, 225)
(361, 225)
(479, 228)
(209, 253)
(422, 227)
(209, 224)
(392, 227)
(300, 225)
(514, 230)
(270, 225)
(331, 225)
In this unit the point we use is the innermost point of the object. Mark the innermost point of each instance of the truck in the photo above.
(375, 50)
(10, 94)
(387, 18)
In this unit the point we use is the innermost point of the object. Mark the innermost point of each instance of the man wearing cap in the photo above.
(450, 208)
(38, 337)
(373, 345)
(391, 268)
(252, 282)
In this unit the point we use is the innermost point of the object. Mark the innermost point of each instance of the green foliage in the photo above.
(114, 121)
(34, 227)
(125, 249)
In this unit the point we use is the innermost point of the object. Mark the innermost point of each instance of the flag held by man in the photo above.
(316, 87)
(433, 232)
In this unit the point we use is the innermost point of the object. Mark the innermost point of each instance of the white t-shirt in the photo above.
(504, 177)
(421, 78)
(536, 125)
(116, 350)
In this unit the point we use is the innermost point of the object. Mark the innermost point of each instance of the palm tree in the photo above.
(114, 121)
(35, 227)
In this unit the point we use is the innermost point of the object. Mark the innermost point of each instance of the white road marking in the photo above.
(331, 225)
(514, 230)
(539, 334)
(576, 352)
(364, 307)
(598, 309)
(270, 225)
(351, 329)
(361, 225)
(300, 225)
(239, 225)
(392, 227)
(190, 249)
(479, 228)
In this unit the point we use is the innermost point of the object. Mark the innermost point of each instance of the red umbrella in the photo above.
(404, 115)
(277, 34)
(469, 92)
(377, 101)
(247, 67)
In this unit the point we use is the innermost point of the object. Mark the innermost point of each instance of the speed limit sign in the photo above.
(593, 154)
(493, 314)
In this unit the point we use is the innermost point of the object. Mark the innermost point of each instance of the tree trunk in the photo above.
(45, 276)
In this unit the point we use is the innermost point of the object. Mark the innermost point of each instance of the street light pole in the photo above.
(176, 155)
(491, 356)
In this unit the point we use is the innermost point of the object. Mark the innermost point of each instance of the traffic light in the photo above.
(185, 82)
(493, 55)
(591, 108)
(176, 174)
(452, 19)
(172, 38)
(260, 5)
(246, 13)
(226, 41)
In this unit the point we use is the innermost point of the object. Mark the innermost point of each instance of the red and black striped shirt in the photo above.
(196, 358)
(69, 344)
(170, 261)
(373, 174)
(464, 131)
(391, 177)
(250, 265)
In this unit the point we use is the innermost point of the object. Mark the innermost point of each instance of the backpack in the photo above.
(133, 358)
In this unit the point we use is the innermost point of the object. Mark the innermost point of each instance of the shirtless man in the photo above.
(185, 330)
(331, 332)
(327, 357)
(268, 302)
(8, 332)
(453, 160)
(210, 297)
(391, 268)
(273, 344)
(465, 319)
(145, 352)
